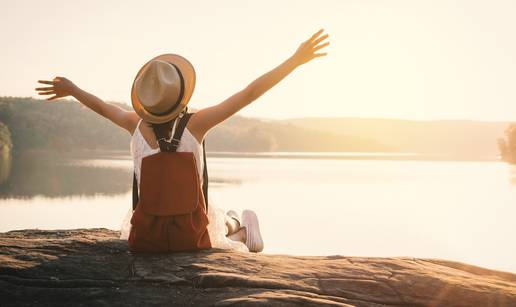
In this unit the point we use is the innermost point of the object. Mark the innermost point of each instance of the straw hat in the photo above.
(162, 88)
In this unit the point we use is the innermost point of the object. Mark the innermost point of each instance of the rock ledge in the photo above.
(91, 267)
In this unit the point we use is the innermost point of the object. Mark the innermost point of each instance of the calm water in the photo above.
(464, 211)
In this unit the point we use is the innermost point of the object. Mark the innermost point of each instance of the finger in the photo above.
(320, 39)
(47, 93)
(46, 82)
(53, 97)
(321, 46)
(316, 34)
(49, 88)
(316, 55)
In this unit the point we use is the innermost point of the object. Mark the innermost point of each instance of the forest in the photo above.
(67, 125)
(32, 124)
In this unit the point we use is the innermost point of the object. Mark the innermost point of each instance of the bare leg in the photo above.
(234, 231)
(249, 234)
(232, 225)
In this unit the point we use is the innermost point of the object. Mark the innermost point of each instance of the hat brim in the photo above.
(188, 72)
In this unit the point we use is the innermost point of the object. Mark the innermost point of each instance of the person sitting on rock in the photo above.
(171, 211)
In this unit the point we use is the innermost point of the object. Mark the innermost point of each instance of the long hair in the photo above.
(163, 132)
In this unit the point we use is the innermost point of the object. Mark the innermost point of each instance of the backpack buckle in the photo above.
(174, 141)
(170, 141)
(169, 145)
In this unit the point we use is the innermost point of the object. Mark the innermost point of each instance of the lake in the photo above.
(307, 205)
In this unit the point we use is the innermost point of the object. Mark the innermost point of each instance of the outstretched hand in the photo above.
(60, 87)
(307, 51)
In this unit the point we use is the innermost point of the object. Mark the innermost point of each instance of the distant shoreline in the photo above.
(39, 126)
(349, 156)
(394, 156)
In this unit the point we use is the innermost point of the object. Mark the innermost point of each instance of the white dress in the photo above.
(217, 224)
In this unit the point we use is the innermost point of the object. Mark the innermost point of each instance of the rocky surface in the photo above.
(91, 267)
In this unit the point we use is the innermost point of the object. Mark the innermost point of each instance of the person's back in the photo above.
(141, 148)
(160, 93)
(171, 209)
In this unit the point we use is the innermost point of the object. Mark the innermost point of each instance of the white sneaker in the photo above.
(254, 239)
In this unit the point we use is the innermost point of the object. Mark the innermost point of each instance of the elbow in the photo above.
(251, 93)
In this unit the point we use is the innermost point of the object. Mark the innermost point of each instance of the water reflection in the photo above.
(57, 175)
(78, 173)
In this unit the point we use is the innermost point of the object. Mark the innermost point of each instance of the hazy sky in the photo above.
(398, 59)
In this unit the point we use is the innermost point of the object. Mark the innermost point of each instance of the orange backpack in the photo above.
(171, 211)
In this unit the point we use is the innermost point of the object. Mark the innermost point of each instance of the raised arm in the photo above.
(62, 87)
(205, 119)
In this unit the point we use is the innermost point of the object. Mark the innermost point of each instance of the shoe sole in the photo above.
(254, 239)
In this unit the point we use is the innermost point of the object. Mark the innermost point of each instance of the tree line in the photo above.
(68, 125)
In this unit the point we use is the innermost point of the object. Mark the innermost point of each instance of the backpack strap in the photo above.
(205, 176)
(172, 145)
(180, 128)
(135, 192)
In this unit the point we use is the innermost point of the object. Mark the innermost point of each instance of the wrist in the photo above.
(74, 90)
(293, 62)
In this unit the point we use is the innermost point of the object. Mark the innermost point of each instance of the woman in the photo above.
(158, 102)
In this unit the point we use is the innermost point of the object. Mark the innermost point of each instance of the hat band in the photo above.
(181, 94)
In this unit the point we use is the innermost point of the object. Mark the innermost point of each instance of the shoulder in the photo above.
(132, 121)
(194, 125)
